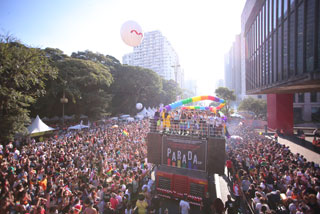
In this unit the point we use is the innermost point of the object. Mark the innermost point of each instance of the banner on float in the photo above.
(184, 153)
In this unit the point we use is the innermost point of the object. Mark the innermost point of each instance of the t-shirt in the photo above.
(184, 206)
(230, 207)
(142, 207)
(114, 203)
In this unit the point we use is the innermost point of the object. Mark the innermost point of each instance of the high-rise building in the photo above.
(156, 53)
(281, 46)
(232, 69)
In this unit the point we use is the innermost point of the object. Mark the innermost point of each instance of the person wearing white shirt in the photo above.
(184, 206)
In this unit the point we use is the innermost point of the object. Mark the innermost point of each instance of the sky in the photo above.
(200, 31)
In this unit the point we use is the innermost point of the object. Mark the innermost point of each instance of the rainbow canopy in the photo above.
(196, 99)
(205, 108)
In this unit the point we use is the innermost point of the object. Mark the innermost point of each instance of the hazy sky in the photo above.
(200, 31)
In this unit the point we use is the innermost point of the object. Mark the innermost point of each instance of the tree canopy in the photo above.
(228, 96)
(33, 81)
(258, 106)
(85, 84)
(23, 73)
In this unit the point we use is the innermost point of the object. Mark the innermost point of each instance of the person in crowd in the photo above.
(230, 205)
(184, 206)
(87, 171)
(206, 204)
(278, 180)
(141, 204)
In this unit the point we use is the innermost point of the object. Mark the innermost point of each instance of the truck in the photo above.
(185, 165)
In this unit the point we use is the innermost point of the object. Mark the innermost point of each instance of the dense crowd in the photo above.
(188, 122)
(269, 176)
(100, 170)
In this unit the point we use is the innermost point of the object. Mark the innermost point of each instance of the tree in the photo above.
(134, 84)
(85, 84)
(258, 106)
(171, 91)
(23, 72)
(228, 96)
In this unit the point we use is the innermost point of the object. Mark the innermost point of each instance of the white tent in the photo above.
(144, 112)
(79, 126)
(38, 126)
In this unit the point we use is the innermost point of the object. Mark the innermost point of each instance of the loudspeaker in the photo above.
(154, 147)
(216, 155)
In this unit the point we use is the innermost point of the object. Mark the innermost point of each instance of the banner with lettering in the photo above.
(184, 152)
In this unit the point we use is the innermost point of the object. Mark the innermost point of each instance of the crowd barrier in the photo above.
(186, 127)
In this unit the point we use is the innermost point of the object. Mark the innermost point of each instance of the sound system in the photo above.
(216, 155)
(154, 147)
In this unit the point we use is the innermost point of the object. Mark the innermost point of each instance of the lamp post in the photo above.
(175, 72)
(63, 100)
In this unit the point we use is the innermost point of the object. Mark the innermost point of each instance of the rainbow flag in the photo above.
(125, 133)
(109, 170)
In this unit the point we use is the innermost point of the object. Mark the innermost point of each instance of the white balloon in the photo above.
(139, 106)
(131, 33)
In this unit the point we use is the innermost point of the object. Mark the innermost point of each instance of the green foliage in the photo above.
(170, 91)
(258, 106)
(228, 96)
(86, 84)
(23, 72)
(134, 84)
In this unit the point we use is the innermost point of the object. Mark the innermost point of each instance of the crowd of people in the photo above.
(104, 170)
(188, 122)
(269, 176)
(100, 170)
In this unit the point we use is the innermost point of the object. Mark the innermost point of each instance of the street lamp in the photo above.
(63, 100)
(175, 72)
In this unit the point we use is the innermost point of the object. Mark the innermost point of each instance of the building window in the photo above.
(285, 49)
(292, 4)
(300, 97)
(294, 98)
(313, 97)
(267, 17)
(279, 9)
(310, 23)
(263, 64)
(267, 63)
(300, 14)
(262, 25)
(270, 15)
(279, 71)
(285, 8)
(315, 114)
(275, 58)
(270, 60)
(291, 44)
(274, 14)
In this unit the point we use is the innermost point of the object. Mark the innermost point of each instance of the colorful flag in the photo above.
(125, 133)
(109, 170)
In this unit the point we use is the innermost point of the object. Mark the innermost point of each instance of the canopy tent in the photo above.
(38, 126)
(79, 126)
(144, 112)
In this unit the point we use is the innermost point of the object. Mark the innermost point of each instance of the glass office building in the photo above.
(282, 51)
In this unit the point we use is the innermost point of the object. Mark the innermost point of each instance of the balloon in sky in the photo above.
(139, 106)
(131, 33)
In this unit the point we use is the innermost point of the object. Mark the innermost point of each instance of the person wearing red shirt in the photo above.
(229, 167)
(114, 202)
